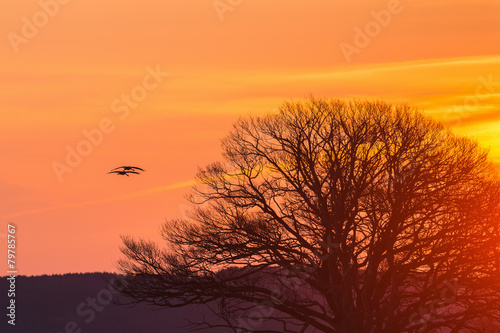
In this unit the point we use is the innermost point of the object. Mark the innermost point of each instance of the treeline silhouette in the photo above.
(48, 303)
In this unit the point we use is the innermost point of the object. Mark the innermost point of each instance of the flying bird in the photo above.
(123, 172)
(128, 167)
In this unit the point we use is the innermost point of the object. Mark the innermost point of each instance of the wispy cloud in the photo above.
(105, 200)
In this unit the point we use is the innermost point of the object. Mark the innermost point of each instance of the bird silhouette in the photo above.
(128, 167)
(123, 172)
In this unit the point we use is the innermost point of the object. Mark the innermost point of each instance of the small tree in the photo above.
(334, 216)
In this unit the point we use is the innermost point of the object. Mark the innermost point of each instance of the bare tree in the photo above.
(334, 216)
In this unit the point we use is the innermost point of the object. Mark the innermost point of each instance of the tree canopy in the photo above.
(334, 216)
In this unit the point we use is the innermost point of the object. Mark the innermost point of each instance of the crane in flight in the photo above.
(126, 169)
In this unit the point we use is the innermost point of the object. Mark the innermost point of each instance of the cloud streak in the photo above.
(105, 200)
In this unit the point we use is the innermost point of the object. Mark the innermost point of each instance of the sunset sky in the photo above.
(99, 69)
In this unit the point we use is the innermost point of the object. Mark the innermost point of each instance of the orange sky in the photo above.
(72, 73)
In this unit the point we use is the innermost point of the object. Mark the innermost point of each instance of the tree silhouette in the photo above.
(334, 216)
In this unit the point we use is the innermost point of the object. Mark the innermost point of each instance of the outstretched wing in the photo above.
(128, 167)
(127, 172)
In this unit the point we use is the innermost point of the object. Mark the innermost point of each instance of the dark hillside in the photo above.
(79, 303)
